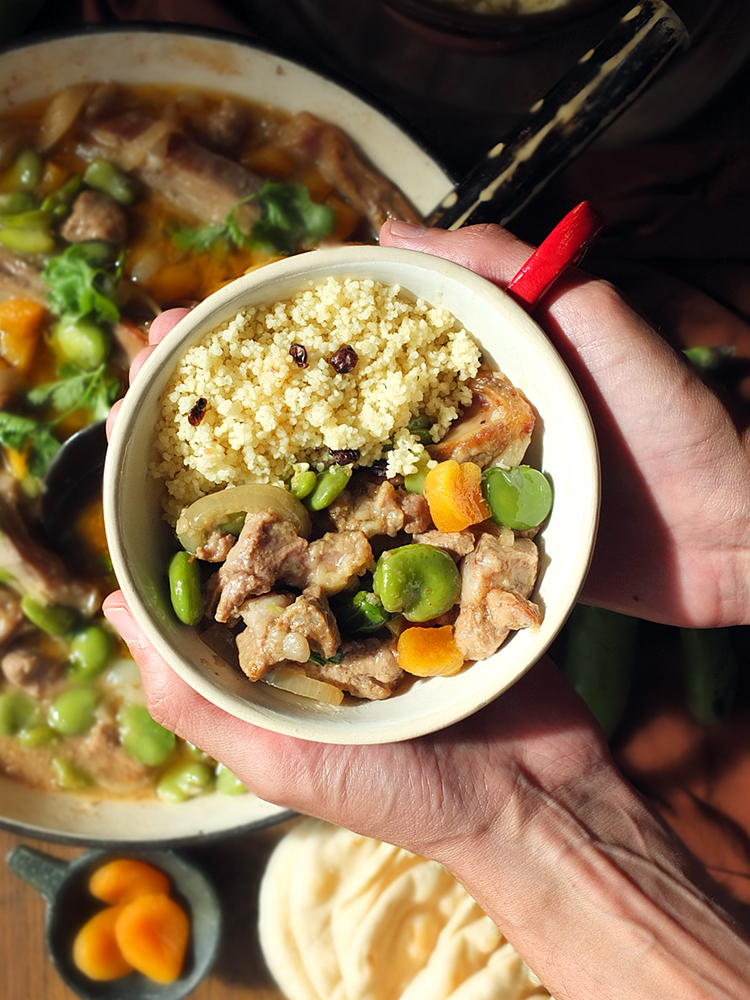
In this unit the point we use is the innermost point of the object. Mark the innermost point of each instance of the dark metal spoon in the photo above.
(73, 478)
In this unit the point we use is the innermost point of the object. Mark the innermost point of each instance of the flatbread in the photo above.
(344, 917)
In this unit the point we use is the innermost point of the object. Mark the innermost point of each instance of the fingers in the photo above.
(165, 322)
(158, 330)
(488, 250)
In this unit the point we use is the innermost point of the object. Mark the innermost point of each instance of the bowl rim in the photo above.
(154, 376)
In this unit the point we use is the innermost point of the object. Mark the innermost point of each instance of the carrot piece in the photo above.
(429, 652)
(95, 950)
(173, 283)
(54, 177)
(20, 325)
(124, 879)
(317, 185)
(454, 495)
(152, 932)
(346, 218)
(271, 161)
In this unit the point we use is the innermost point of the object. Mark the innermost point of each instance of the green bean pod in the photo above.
(599, 661)
(710, 673)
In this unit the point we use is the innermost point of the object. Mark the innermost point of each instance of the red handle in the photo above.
(564, 246)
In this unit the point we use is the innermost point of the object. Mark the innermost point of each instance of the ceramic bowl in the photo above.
(563, 447)
(34, 70)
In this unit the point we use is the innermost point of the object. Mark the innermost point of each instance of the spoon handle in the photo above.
(44, 873)
(604, 81)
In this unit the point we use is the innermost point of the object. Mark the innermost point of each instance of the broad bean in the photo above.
(50, 618)
(105, 176)
(90, 652)
(420, 581)
(142, 737)
(227, 781)
(329, 484)
(73, 711)
(185, 588)
(26, 171)
(16, 711)
(185, 781)
(68, 775)
(519, 498)
(82, 341)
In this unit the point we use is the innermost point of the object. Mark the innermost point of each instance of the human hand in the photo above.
(674, 538)
(351, 786)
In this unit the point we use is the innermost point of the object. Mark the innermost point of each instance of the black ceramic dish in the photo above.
(64, 886)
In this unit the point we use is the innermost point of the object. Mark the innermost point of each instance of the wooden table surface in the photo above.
(235, 869)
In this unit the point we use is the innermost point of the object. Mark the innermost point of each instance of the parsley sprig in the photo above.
(289, 219)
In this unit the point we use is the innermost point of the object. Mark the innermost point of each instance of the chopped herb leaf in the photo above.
(289, 218)
(77, 389)
(320, 660)
(34, 438)
(80, 287)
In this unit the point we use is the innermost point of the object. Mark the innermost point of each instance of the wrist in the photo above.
(599, 898)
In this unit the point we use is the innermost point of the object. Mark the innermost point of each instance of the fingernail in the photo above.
(406, 229)
(122, 621)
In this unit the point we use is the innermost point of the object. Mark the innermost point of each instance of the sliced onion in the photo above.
(289, 679)
(138, 148)
(210, 512)
(61, 114)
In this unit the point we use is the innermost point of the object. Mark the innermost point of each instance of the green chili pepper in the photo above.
(599, 661)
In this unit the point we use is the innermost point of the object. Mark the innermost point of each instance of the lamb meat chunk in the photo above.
(100, 754)
(330, 562)
(457, 543)
(495, 427)
(217, 548)
(345, 169)
(280, 628)
(20, 278)
(33, 669)
(368, 669)
(497, 579)
(195, 180)
(11, 615)
(95, 216)
(378, 508)
(34, 570)
(267, 545)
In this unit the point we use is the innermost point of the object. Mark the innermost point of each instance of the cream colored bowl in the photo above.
(34, 71)
(563, 446)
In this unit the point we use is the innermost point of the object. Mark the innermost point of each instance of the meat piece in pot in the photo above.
(95, 216)
(217, 547)
(11, 615)
(368, 669)
(195, 180)
(497, 579)
(33, 668)
(496, 427)
(377, 508)
(279, 628)
(344, 168)
(33, 569)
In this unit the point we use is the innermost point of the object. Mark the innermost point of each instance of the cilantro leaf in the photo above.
(77, 389)
(289, 217)
(80, 286)
(200, 238)
(34, 437)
